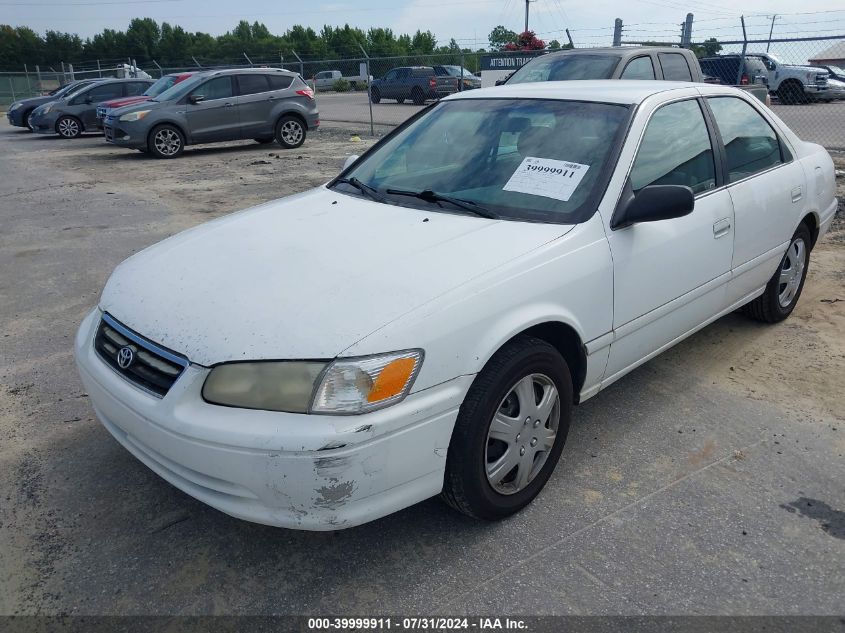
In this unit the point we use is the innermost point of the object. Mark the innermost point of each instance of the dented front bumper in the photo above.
(289, 470)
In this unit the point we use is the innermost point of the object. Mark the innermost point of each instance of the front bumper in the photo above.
(44, 123)
(15, 117)
(296, 471)
(130, 134)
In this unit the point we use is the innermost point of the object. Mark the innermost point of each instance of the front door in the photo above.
(88, 102)
(669, 276)
(215, 117)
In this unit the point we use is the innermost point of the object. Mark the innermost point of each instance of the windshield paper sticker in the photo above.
(545, 177)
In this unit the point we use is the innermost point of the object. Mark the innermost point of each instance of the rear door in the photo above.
(215, 117)
(255, 102)
(767, 188)
(86, 110)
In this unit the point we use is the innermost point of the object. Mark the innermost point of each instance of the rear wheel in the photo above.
(510, 430)
(166, 141)
(375, 95)
(784, 288)
(290, 132)
(68, 127)
(417, 96)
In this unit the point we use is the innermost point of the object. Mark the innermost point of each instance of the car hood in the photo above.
(34, 101)
(146, 104)
(41, 107)
(124, 101)
(305, 277)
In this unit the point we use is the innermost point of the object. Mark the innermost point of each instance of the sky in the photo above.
(467, 21)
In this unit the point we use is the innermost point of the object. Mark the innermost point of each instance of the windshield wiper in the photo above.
(372, 192)
(432, 196)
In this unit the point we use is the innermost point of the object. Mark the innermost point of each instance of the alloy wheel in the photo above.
(792, 272)
(167, 142)
(291, 132)
(68, 128)
(522, 433)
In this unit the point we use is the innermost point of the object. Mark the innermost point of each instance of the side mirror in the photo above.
(350, 161)
(652, 204)
(195, 99)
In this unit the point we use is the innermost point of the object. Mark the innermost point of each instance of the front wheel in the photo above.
(375, 95)
(290, 132)
(791, 93)
(166, 141)
(784, 288)
(68, 127)
(510, 430)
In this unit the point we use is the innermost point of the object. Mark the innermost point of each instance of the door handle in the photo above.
(796, 194)
(228, 105)
(721, 228)
(272, 98)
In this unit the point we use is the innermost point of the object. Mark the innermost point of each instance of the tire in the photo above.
(784, 288)
(417, 96)
(481, 480)
(400, 101)
(264, 140)
(68, 127)
(791, 93)
(290, 132)
(166, 141)
(375, 95)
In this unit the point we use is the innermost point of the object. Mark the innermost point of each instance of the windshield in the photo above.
(565, 68)
(177, 91)
(160, 86)
(527, 159)
(836, 70)
(76, 89)
(455, 71)
(774, 58)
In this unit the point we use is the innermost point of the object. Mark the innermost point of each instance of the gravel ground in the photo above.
(710, 480)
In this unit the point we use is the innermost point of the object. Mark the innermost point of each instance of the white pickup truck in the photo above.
(794, 84)
(324, 80)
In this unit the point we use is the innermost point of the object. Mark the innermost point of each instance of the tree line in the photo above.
(170, 45)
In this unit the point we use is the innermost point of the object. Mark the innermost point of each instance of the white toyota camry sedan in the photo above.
(424, 323)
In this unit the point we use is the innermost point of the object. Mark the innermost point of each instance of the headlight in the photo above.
(134, 116)
(15, 106)
(343, 386)
(45, 109)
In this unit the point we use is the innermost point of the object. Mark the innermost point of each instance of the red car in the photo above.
(156, 89)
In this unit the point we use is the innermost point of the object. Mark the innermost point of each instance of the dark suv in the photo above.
(264, 104)
(732, 70)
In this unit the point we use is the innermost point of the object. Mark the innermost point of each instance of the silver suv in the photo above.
(264, 104)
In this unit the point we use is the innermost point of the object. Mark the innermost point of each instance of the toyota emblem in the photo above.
(125, 357)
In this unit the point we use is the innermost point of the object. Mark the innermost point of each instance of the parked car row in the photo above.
(163, 117)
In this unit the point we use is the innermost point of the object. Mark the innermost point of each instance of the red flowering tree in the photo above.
(526, 41)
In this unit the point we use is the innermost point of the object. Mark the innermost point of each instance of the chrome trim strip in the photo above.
(173, 358)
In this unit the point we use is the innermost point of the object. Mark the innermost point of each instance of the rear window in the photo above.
(252, 84)
(675, 67)
(566, 67)
(422, 72)
(280, 82)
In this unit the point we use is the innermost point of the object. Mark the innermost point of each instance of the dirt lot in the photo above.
(709, 481)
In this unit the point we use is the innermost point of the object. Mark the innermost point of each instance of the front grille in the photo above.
(140, 361)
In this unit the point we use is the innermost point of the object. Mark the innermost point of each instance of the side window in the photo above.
(135, 88)
(279, 82)
(750, 142)
(390, 76)
(102, 93)
(403, 72)
(639, 68)
(675, 67)
(217, 88)
(675, 150)
(252, 84)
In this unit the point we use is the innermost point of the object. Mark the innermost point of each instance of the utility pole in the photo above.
(527, 2)
(771, 30)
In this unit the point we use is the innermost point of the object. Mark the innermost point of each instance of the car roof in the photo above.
(617, 50)
(239, 71)
(626, 92)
